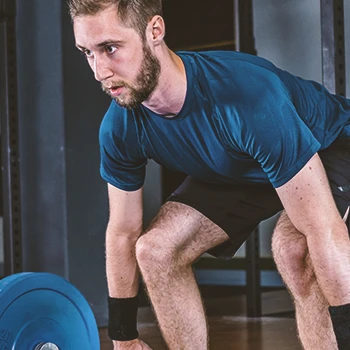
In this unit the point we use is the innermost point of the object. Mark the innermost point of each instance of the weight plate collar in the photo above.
(45, 308)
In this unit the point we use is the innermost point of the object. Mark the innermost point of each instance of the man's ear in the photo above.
(156, 29)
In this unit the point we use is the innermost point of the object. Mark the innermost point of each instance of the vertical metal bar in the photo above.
(9, 140)
(236, 23)
(333, 50)
(244, 35)
(253, 275)
(245, 42)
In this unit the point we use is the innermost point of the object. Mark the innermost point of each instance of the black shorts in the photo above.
(238, 209)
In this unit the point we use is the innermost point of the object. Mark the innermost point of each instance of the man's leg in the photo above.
(165, 253)
(293, 262)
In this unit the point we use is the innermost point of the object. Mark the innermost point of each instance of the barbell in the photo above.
(43, 311)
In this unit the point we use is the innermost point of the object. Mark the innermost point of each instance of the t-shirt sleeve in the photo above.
(121, 164)
(275, 136)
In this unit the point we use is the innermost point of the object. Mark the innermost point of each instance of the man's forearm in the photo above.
(121, 265)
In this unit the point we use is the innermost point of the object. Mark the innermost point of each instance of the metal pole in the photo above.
(9, 140)
(236, 23)
(244, 27)
(333, 50)
(245, 42)
(253, 275)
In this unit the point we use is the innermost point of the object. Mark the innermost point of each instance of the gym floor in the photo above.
(229, 328)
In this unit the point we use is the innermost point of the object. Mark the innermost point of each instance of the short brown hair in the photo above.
(133, 13)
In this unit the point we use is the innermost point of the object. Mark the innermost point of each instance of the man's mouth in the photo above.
(116, 90)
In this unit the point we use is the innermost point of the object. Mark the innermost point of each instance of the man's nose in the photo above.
(101, 70)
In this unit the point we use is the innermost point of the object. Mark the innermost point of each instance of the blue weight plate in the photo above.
(45, 308)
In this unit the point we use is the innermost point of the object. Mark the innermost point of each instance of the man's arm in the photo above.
(124, 228)
(308, 200)
(309, 203)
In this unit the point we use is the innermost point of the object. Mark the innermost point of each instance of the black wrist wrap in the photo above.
(122, 318)
(340, 316)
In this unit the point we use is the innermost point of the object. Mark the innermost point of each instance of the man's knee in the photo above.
(289, 248)
(291, 257)
(153, 252)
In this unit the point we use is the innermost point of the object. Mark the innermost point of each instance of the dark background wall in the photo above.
(42, 135)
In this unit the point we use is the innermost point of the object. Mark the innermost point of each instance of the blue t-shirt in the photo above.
(243, 121)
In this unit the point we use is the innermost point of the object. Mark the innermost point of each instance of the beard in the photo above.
(145, 82)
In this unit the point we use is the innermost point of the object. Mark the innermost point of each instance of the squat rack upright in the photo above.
(10, 170)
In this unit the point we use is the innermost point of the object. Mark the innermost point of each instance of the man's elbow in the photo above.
(326, 231)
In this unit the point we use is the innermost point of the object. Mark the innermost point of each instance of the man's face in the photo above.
(120, 59)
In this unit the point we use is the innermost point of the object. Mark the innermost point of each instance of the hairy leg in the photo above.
(293, 262)
(175, 239)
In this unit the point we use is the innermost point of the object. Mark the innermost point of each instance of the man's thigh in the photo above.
(182, 232)
(236, 209)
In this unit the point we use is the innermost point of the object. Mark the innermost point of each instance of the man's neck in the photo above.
(169, 95)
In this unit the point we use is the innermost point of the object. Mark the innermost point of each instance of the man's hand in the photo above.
(136, 344)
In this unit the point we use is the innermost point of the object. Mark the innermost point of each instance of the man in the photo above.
(253, 139)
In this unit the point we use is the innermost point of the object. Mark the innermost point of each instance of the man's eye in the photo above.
(87, 53)
(111, 49)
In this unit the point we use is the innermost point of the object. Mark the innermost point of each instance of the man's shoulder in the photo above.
(229, 59)
(114, 115)
(116, 119)
(231, 70)
(236, 78)
(118, 124)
